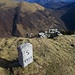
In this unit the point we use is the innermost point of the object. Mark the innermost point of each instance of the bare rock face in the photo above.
(25, 18)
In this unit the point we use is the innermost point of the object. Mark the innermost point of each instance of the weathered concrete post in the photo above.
(25, 54)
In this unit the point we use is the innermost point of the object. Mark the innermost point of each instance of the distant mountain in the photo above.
(54, 4)
(67, 15)
(42, 2)
(25, 18)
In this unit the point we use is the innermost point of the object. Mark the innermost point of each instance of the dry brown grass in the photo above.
(21, 29)
(51, 56)
(31, 7)
(25, 6)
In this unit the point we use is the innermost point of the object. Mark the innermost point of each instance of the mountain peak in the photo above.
(32, 7)
(25, 6)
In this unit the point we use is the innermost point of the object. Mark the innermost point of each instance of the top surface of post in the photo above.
(25, 45)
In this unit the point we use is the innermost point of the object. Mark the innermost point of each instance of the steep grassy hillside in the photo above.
(51, 56)
(18, 19)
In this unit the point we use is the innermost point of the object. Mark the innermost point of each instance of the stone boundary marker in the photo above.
(25, 54)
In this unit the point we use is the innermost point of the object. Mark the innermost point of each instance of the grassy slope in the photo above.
(25, 6)
(51, 57)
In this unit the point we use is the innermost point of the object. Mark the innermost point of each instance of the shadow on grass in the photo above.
(7, 64)
(4, 63)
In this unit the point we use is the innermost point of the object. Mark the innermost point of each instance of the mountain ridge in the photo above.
(28, 18)
(42, 2)
(31, 18)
